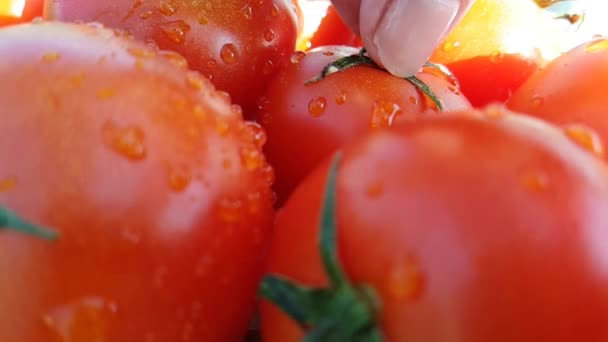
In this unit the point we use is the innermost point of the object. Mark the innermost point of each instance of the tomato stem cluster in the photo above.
(341, 313)
(10, 220)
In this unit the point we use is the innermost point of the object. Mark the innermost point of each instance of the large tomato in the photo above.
(571, 90)
(238, 44)
(495, 26)
(333, 31)
(494, 78)
(462, 228)
(156, 186)
(305, 123)
(17, 11)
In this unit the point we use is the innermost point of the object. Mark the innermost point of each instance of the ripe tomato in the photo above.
(333, 31)
(17, 11)
(494, 26)
(306, 123)
(238, 44)
(158, 190)
(488, 79)
(466, 228)
(570, 90)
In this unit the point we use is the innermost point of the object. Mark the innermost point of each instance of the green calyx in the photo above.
(363, 59)
(342, 312)
(10, 220)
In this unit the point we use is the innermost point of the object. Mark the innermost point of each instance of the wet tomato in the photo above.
(307, 122)
(457, 228)
(238, 44)
(156, 186)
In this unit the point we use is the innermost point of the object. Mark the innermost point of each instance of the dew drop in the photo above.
(256, 132)
(268, 67)
(51, 57)
(252, 158)
(384, 113)
(585, 137)
(341, 97)
(247, 12)
(202, 18)
(405, 281)
(229, 54)
(7, 184)
(317, 106)
(176, 31)
(269, 35)
(496, 57)
(297, 56)
(274, 10)
(167, 8)
(128, 141)
(597, 46)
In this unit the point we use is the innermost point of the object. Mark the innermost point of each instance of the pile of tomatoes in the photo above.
(175, 170)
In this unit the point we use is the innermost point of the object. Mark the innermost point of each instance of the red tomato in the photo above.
(15, 11)
(333, 31)
(466, 228)
(238, 44)
(570, 91)
(158, 190)
(488, 79)
(306, 123)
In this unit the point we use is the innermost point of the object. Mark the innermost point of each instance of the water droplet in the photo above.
(202, 18)
(230, 210)
(268, 174)
(146, 14)
(88, 319)
(176, 31)
(537, 101)
(268, 67)
(177, 60)
(252, 157)
(450, 46)
(51, 57)
(384, 113)
(106, 93)
(328, 53)
(341, 97)
(167, 8)
(7, 184)
(317, 106)
(496, 57)
(247, 12)
(127, 141)
(405, 281)
(257, 133)
(274, 10)
(535, 181)
(596, 46)
(585, 137)
(229, 54)
(180, 178)
(268, 35)
(297, 56)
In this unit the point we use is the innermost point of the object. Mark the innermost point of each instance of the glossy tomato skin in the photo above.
(156, 186)
(570, 90)
(469, 229)
(494, 78)
(333, 31)
(305, 123)
(238, 44)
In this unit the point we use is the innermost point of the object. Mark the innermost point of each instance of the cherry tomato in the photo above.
(305, 123)
(238, 44)
(333, 31)
(156, 186)
(489, 79)
(18, 11)
(465, 227)
(495, 26)
(570, 91)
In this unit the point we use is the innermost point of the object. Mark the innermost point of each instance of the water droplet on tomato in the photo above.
(585, 137)
(146, 14)
(596, 46)
(537, 101)
(450, 46)
(180, 178)
(51, 57)
(167, 8)
(127, 141)
(405, 281)
(88, 319)
(229, 54)
(317, 106)
(297, 56)
(268, 67)
(252, 158)
(202, 18)
(274, 10)
(375, 190)
(496, 57)
(106, 93)
(256, 132)
(535, 181)
(341, 97)
(176, 31)
(384, 113)
(247, 12)
(268, 35)
(7, 184)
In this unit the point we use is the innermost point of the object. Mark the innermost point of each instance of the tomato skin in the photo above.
(492, 79)
(150, 177)
(570, 89)
(238, 44)
(305, 123)
(458, 243)
(333, 31)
